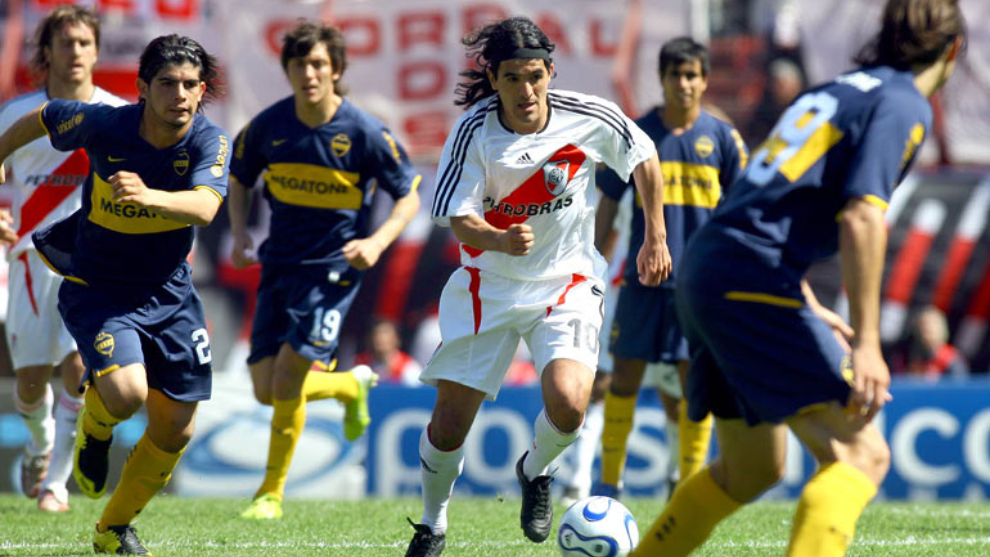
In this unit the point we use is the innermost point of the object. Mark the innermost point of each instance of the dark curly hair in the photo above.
(491, 46)
(176, 49)
(913, 32)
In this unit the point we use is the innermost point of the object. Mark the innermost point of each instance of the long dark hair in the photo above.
(913, 33)
(491, 46)
(176, 49)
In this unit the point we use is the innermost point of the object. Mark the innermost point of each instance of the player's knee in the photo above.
(264, 396)
(125, 406)
(32, 382)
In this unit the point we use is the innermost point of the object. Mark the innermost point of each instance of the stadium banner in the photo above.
(404, 58)
(939, 435)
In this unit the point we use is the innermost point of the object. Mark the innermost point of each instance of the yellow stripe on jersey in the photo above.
(310, 185)
(813, 149)
(912, 143)
(211, 190)
(126, 218)
(696, 185)
(741, 147)
(763, 298)
(48, 264)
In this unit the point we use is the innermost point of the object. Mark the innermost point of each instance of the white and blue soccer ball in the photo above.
(597, 527)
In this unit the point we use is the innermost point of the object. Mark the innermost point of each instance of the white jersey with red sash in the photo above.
(544, 179)
(46, 182)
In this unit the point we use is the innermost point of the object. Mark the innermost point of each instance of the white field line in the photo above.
(910, 541)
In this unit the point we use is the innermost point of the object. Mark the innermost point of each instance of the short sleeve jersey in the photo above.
(854, 137)
(697, 166)
(46, 183)
(122, 243)
(544, 179)
(319, 182)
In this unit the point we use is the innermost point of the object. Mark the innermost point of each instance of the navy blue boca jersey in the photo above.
(122, 243)
(854, 137)
(319, 181)
(697, 167)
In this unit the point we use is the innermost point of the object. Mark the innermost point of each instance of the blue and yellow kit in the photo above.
(698, 166)
(121, 243)
(758, 351)
(129, 297)
(319, 182)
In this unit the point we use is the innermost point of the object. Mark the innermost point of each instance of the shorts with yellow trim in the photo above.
(162, 327)
(304, 306)
(760, 356)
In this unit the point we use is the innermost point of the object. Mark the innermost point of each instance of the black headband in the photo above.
(529, 53)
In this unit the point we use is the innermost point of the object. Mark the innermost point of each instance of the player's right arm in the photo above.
(238, 204)
(25, 130)
(245, 166)
(862, 246)
(474, 231)
(653, 260)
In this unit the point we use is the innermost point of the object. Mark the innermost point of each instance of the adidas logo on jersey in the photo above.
(524, 159)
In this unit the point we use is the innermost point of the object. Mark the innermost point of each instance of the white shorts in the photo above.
(35, 332)
(483, 316)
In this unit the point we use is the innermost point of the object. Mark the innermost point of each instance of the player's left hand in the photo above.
(871, 382)
(3, 175)
(8, 236)
(362, 253)
(653, 262)
(128, 187)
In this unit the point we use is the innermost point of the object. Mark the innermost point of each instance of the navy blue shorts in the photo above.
(304, 306)
(758, 354)
(162, 327)
(646, 326)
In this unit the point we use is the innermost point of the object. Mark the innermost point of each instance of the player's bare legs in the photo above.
(751, 460)
(853, 460)
(578, 486)
(620, 406)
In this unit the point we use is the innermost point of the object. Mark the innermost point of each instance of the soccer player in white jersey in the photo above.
(516, 185)
(46, 186)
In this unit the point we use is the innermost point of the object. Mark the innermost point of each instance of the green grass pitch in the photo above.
(487, 527)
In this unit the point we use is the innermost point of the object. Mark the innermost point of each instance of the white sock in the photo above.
(548, 442)
(439, 469)
(66, 415)
(586, 445)
(673, 448)
(38, 419)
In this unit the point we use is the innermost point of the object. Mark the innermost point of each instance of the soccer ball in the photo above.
(597, 527)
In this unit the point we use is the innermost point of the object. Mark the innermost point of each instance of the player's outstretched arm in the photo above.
(363, 253)
(196, 207)
(474, 231)
(238, 204)
(862, 246)
(23, 131)
(653, 261)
